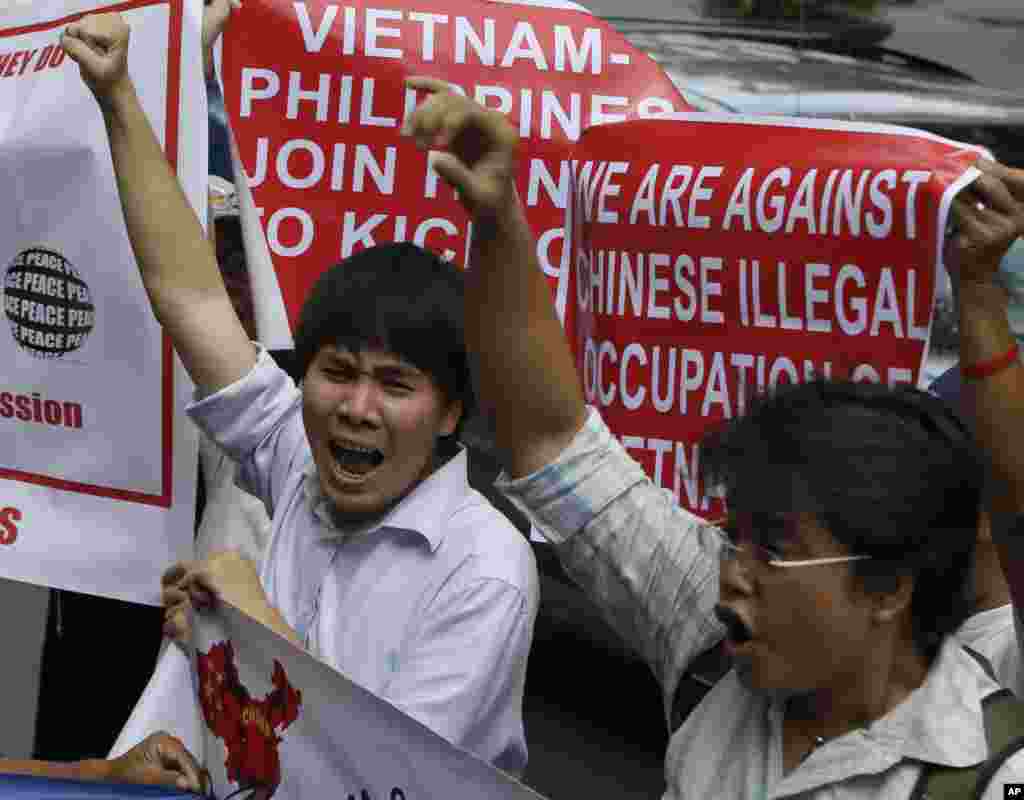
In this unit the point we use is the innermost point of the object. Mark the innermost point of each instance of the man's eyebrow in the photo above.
(338, 356)
(398, 370)
(395, 368)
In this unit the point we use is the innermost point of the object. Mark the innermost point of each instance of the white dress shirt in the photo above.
(431, 607)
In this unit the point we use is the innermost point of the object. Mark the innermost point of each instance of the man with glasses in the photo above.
(842, 572)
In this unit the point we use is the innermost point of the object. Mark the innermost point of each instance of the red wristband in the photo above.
(997, 364)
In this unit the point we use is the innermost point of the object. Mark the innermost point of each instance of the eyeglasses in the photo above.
(718, 535)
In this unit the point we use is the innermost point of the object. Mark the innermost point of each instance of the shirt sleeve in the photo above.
(629, 546)
(464, 672)
(257, 421)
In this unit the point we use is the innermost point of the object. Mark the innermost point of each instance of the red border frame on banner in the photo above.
(173, 100)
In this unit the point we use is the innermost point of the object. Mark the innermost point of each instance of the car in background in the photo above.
(743, 72)
(754, 69)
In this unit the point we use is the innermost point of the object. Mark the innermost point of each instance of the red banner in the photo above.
(736, 254)
(316, 99)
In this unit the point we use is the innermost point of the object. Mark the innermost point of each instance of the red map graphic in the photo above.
(247, 726)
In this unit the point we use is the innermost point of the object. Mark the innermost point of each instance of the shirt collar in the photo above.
(422, 511)
(944, 719)
(983, 622)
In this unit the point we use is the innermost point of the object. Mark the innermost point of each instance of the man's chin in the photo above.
(752, 678)
(360, 501)
(757, 682)
(356, 510)
(745, 675)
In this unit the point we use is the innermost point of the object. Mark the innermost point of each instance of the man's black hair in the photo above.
(397, 297)
(890, 473)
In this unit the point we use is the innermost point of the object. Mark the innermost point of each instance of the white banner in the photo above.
(97, 462)
(271, 717)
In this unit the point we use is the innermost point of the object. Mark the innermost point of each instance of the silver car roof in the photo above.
(765, 77)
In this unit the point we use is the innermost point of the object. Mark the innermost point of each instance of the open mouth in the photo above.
(355, 459)
(736, 629)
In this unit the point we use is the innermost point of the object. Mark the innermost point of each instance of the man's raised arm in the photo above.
(990, 217)
(178, 266)
(521, 362)
(605, 517)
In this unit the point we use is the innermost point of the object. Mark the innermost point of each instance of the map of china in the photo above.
(247, 726)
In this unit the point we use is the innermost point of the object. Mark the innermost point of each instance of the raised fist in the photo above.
(216, 14)
(98, 43)
(480, 145)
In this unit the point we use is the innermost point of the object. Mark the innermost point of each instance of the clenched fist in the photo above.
(98, 43)
(481, 146)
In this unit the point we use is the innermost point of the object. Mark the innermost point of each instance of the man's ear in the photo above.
(451, 418)
(890, 605)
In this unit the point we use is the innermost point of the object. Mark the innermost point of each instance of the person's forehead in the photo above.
(798, 527)
(808, 529)
(374, 357)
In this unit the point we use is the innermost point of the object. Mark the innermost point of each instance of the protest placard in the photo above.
(716, 256)
(267, 717)
(97, 463)
(315, 95)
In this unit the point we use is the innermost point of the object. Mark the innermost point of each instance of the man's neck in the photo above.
(885, 679)
(990, 587)
(988, 600)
